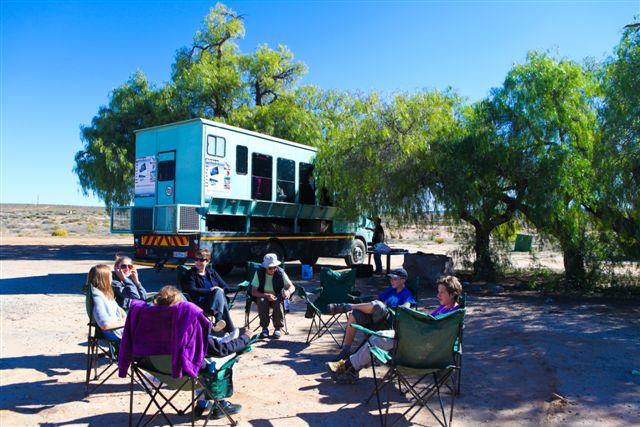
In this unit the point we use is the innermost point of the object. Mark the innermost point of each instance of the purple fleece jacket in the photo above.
(179, 330)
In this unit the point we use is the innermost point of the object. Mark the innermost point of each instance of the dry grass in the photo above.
(47, 220)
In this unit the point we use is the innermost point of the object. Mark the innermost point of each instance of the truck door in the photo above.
(166, 193)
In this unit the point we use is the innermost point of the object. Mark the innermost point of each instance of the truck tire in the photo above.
(358, 253)
(310, 261)
(223, 269)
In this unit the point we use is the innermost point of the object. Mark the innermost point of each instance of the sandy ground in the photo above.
(529, 360)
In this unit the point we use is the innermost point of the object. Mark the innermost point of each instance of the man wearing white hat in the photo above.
(270, 286)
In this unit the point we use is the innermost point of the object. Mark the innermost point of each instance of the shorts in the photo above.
(380, 313)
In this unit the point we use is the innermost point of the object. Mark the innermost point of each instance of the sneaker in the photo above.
(337, 367)
(230, 408)
(264, 334)
(201, 407)
(338, 308)
(348, 376)
(277, 334)
(309, 313)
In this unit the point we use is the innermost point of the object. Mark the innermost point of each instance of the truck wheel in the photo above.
(275, 248)
(310, 261)
(223, 269)
(358, 252)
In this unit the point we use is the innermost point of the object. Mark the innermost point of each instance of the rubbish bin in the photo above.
(523, 243)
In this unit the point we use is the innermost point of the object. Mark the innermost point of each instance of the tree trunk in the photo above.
(574, 266)
(483, 267)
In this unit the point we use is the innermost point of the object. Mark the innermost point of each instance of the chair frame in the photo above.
(440, 378)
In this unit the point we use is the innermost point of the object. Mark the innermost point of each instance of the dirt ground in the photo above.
(529, 360)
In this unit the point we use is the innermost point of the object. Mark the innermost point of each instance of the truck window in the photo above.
(285, 184)
(242, 158)
(216, 146)
(306, 190)
(166, 170)
(261, 176)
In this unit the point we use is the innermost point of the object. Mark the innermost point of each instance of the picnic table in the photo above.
(389, 254)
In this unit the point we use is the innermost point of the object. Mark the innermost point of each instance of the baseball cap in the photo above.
(398, 272)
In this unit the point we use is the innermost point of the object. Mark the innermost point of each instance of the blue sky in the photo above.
(59, 60)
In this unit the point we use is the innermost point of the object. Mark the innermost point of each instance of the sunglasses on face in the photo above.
(126, 266)
(201, 259)
(271, 268)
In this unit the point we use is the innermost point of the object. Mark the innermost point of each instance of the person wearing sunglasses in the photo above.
(125, 282)
(270, 287)
(207, 290)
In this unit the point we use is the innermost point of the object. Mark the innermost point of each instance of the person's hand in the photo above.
(134, 276)
(286, 293)
(270, 297)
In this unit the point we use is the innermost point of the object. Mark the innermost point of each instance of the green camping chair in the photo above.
(216, 385)
(423, 349)
(335, 288)
(99, 349)
(252, 267)
(457, 348)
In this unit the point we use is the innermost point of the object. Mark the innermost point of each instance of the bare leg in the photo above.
(350, 334)
(365, 307)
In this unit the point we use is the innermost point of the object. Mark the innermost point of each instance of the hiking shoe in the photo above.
(337, 367)
(230, 408)
(276, 334)
(348, 376)
(219, 325)
(201, 407)
(338, 308)
(309, 313)
(264, 334)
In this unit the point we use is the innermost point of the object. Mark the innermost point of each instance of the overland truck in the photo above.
(240, 194)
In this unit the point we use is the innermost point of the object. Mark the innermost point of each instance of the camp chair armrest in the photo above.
(368, 331)
(243, 285)
(382, 355)
(231, 289)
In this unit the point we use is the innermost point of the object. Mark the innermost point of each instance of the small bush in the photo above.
(60, 232)
(91, 228)
(439, 240)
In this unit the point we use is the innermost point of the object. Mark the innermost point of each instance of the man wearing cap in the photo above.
(270, 286)
(372, 313)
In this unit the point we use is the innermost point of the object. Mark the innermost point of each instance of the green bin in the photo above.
(523, 243)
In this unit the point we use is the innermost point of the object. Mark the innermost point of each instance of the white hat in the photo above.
(270, 260)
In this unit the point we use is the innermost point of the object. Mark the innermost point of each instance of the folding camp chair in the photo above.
(215, 385)
(457, 348)
(252, 267)
(423, 348)
(335, 288)
(99, 348)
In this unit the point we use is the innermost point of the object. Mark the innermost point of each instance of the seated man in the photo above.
(346, 371)
(270, 286)
(207, 290)
(369, 314)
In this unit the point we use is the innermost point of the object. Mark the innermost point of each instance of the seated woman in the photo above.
(207, 290)
(169, 295)
(125, 282)
(372, 313)
(109, 317)
(347, 371)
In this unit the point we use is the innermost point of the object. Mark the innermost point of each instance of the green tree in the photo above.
(546, 116)
(105, 165)
(617, 155)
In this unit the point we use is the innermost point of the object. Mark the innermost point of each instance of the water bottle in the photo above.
(286, 305)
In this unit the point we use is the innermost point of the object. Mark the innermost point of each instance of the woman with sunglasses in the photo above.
(207, 290)
(126, 284)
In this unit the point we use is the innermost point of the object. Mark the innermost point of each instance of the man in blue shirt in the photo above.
(370, 314)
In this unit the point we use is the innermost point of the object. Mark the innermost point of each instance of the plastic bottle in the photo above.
(286, 305)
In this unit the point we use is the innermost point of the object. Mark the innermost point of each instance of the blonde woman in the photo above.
(106, 312)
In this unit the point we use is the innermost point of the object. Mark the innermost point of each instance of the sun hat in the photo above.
(398, 272)
(270, 260)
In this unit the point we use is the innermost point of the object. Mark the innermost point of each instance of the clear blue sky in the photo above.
(60, 59)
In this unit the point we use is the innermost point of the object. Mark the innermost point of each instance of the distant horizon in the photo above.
(402, 46)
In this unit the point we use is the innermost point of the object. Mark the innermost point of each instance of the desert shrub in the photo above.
(60, 232)
(91, 228)
(439, 240)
